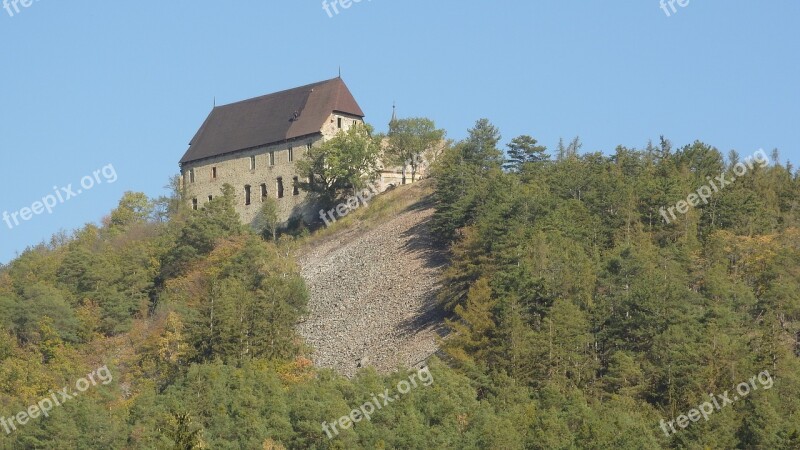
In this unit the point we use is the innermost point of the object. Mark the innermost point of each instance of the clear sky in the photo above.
(88, 84)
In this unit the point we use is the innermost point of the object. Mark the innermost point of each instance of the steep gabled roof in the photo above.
(270, 119)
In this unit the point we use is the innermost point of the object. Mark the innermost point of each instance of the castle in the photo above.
(253, 145)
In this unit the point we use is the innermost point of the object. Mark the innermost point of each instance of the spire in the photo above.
(394, 113)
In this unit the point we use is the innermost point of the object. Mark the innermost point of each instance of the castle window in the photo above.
(308, 146)
(194, 204)
(271, 158)
(295, 186)
(191, 175)
(263, 192)
(213, 173)
(339, 122)
(210, 197)
(280, 187)
(291, 154)
(247, 195)
(253, 163)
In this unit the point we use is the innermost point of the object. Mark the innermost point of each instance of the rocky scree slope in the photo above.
(373, 279)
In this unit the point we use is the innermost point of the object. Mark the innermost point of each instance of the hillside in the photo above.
(373, 280)
(579, 318)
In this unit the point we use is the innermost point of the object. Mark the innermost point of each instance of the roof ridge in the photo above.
(261, 97)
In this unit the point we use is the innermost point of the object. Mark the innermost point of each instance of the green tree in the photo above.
(464, 174)
(168, 206)
(217, 219)
(523, 150)
(570, 150)
(408, 140)
(480, 148)
(134, 207)
(245, 303)
(342, 165)
(474, 329)
(42, 301)
(267, 221)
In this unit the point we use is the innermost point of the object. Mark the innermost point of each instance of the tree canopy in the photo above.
(341, 165)
(408, 142)
(576, 316)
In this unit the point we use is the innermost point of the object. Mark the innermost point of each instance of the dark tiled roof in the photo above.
(270, 119)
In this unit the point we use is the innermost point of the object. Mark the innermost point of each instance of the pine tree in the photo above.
(523, 151)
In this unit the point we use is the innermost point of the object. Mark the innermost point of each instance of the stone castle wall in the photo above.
(272, 163)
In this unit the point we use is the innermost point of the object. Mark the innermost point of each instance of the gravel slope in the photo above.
(372, 294)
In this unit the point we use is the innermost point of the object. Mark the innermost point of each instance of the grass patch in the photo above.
(381, 207)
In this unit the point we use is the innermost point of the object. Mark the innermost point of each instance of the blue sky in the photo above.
(88, 84)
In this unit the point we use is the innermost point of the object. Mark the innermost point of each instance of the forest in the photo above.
(578, 317)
